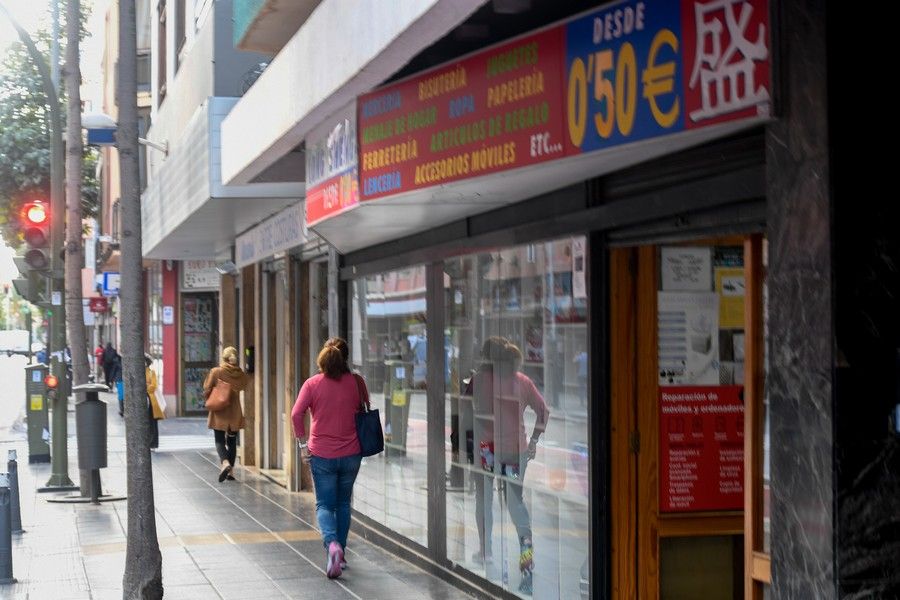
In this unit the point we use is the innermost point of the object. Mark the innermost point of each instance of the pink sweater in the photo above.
(333, 404)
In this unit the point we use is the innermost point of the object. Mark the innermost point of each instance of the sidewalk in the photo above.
(242, 539)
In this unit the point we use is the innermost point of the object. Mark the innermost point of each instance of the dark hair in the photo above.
(333, 357)
(493, 348)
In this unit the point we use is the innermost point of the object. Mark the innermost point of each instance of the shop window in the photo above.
(388, 346)
(142, 72)
(517, 380)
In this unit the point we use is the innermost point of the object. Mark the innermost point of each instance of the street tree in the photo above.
(74, 246)
(25, 138)
(143, 562)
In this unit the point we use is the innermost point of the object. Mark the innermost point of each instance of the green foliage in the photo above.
(24, 135)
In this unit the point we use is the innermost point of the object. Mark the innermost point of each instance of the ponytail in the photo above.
(333, 357)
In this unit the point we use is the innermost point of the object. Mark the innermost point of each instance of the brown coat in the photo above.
(231, 418)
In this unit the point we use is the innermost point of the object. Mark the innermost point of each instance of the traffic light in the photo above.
(36, 232)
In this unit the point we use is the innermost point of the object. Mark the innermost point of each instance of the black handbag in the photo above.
(368, 423)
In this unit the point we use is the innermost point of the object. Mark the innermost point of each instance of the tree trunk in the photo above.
(143, 562)
(74, 246)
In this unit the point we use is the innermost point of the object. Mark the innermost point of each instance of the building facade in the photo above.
(190, 217)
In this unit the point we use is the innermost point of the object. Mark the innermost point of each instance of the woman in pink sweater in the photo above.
(333, 398)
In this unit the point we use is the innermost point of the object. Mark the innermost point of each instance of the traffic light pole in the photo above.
(59, 452)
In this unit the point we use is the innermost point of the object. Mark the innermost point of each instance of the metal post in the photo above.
(95, 486)
(15, 512)
(6, 566)
(28, 326)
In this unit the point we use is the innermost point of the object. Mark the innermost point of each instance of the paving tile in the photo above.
(245, 540)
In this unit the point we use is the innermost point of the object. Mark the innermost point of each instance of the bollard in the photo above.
(15, 509)
(6, 570)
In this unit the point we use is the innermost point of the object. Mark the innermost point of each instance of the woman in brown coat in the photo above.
(227, 422)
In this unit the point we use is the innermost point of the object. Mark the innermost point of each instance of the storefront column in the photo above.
(801, 355)
(227, 311)
(435, 415)
(171, 348)
(334, 293)
(248, 329)
(258, 338)
(291, 289)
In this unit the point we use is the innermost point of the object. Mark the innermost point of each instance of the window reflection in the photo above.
(517, 393)
(389, 347)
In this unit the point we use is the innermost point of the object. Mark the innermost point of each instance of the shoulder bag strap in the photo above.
(363, 396)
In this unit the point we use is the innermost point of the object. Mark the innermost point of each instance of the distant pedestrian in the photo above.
(98, 360)
(41, 356)
(226, 423)
(116, 375)
(109, 359)
(333, 398)
(154, 412)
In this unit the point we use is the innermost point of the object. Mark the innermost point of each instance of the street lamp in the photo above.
(101, 131)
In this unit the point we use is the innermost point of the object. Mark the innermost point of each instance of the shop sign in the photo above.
(281, 232)
(627, 73)
(332, 179)
(701, 448)
(110, 286)
(98, 305)
(199, 275)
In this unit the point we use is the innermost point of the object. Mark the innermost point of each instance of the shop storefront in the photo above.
(277, 314)
(199, 312)
(566, 356)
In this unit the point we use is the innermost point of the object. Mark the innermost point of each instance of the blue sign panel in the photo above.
(111, 284)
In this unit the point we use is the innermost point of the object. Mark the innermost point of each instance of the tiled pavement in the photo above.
(244, 539)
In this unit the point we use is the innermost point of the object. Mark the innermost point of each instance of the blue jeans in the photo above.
(334, 478)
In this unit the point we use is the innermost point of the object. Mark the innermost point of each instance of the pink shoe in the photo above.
(335, 558)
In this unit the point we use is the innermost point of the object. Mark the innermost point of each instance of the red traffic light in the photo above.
(51, 381)
(36, 213)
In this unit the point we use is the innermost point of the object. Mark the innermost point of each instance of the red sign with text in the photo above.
(701, 448)
(98, 305)
(493, 111)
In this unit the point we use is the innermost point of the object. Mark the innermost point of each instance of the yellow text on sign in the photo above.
(37, 402)
(615, 89)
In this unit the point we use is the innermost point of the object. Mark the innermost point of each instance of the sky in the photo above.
(32, 14)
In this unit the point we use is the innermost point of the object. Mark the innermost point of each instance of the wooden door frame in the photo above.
(623, 425)
(637, 526)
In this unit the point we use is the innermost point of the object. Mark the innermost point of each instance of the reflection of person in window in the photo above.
(502, 394)
(581, 363)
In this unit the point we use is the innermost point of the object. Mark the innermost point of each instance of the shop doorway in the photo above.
(199, 345)
(679, 338)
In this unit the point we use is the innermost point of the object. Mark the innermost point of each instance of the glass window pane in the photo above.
(516, 410)
(388, 346)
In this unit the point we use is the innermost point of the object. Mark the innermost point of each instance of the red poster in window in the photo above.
(701, 448)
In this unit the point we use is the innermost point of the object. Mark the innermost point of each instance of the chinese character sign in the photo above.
(727, 52)
(639, 70)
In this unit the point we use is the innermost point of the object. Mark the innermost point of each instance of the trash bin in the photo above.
(37, 413)
(90, 426)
